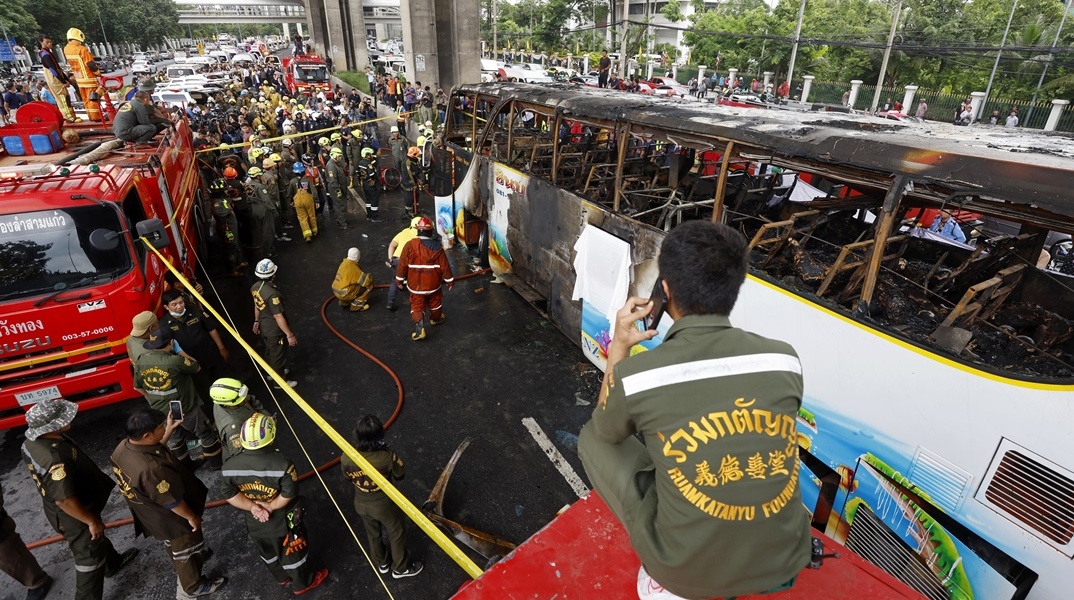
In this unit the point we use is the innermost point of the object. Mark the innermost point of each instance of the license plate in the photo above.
(28, 398)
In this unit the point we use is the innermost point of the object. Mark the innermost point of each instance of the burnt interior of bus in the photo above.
(852, 244)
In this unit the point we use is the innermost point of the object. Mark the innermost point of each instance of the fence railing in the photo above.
(941, 107)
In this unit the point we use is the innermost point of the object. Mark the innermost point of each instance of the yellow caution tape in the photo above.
(307, 133)
(400, 500)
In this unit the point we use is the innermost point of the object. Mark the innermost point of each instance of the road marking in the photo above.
(560, 463)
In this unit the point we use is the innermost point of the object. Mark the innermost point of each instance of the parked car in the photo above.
(680, 89)
(141, 68)
(585, 80)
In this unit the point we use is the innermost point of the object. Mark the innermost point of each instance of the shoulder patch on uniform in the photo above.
(163, 487)
(186, 361)
(58, 473)
(275, 300)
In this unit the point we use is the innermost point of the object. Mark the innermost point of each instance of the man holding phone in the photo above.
(710, 500)
(166, 381)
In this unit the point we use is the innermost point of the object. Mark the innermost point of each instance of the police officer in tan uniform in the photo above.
(269, 320)
(74, 491)
(165, 498)
(380, 515)
(263, 484)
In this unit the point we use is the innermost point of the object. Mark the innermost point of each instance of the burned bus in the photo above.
(938, 366)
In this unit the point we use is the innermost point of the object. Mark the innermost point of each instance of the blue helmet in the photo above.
(298, 168)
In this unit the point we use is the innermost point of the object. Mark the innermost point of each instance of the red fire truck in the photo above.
(73, 271)
(307, 74)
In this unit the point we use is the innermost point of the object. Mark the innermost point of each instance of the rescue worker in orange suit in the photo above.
(424, 269)
(56, 79)
(82, 64)
(352, 286)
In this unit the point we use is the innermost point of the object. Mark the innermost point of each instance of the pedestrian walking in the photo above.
(424, 269)
(269, 320)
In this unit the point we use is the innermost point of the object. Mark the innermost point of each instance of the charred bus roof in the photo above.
(1029, 171)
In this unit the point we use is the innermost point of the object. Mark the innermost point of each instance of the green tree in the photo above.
(19, 22)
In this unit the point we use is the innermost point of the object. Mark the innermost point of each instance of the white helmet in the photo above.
(288, 142)
(265, 268)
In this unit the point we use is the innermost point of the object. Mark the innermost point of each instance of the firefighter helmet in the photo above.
(265, 268)
(424, 224)
(337, 136)
(254, 172)
(414, 152)
(323, 141)
(76, 34)
(230, 172)
(336, 153)
(367, 152)
(268, 163)
(276, 157)
(288, 142)
(228, 392)
(307, 158)
(217, 185)
(258, 431)
(298, 168)
(255, 153)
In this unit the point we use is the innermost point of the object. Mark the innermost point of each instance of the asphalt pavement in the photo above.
(494, 362)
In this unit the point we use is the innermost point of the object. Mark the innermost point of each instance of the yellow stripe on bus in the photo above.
(1049, 387)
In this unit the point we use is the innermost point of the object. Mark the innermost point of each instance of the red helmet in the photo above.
(424, 224)
(230, 172)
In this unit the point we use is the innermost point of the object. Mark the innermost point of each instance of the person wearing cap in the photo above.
(262, 214)
(351, 285)
(197, 334)
(73, 491)
(263, 483)
(424, 269)
(380, 515)
(162, 376)
(17, 561)
(335, 178)
(136, 121)
(165, 498)
(399, 145)
(303, 194)
(395, 248)
(142, 324)
(232, 406)
(367, 173)
(269, 320)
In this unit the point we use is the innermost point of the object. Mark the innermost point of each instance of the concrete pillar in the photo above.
(701, 71)
(675, 71)
(976, 102)
(442, 40)
(807, 85)
(286, 31)
(768, 79)
(908, 98)
(299, 28)
(855, 85)
(731, 75)
(354, 35)
(1058, 106)
(649, 70)
(334, 43)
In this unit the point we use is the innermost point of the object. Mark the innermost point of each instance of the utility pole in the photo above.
(625, 25)
(887, 55)
(495, 31)
(794, 48)
(999, 53)
(101, 19)
(1044, 72)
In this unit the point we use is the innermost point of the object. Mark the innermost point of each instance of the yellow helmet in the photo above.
(255, 172)
(336, 136)
(228, 392)
(276, 157)
(322, 141)
(76, 34)
(258, 431)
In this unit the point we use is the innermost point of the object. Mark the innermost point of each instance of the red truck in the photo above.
(73, 271)
(307, 74)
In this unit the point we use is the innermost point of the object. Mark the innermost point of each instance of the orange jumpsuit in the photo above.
(424, 267)
(84, 66)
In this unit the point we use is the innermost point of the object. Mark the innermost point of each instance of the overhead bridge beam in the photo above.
(244, 13)
(251, 3)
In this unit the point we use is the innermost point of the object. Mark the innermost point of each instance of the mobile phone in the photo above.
(175, 408)
(658, 298)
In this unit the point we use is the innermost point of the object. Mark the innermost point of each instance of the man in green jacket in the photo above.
(711, 499)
